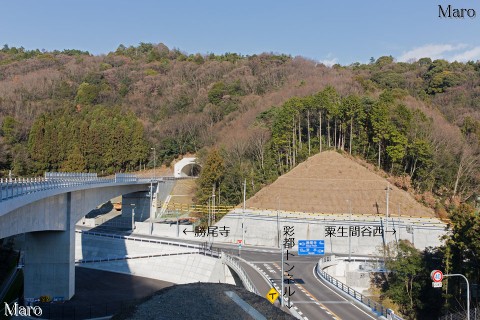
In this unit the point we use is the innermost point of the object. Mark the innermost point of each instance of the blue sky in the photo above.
(330, 31)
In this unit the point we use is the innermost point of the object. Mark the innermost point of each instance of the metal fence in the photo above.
(12, 188)
(374, 306)
(233, 263)
(462, 315)
(128, 257)
(70, 176)
(125, 177)
(15, 187)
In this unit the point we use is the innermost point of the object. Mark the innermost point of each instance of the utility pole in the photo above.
(209, 211)
(349, 233)
(213, 204)
(386, 213)
(278, 222)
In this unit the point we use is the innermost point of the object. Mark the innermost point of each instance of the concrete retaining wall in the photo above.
(186, 268)
(349, 273)
(263, 229)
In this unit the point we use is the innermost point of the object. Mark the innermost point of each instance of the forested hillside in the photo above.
(262, 114)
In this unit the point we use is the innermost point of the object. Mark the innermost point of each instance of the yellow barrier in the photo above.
(197, 208)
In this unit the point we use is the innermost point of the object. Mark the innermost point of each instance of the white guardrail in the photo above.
(233, 263)
(202, 248)
(372, 305)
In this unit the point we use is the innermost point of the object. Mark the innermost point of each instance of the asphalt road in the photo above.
(309, 296)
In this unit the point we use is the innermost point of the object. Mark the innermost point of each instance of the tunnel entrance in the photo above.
(187, 167)
(191, 170)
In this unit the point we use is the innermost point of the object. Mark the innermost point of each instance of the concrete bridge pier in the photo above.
(50, 261)
(50, 264)
(47, 217)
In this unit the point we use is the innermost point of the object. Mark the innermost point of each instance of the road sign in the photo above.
(272, 295)
(436, 275)
(436, 284)
(311, 247)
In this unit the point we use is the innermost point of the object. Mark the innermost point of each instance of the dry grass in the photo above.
(330, 182)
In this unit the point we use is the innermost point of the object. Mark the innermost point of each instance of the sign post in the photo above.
(437, 277)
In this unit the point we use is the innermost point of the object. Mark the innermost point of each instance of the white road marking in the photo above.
(316, 277)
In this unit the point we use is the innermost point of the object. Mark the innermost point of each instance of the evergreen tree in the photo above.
(75, 161)
(213, 171)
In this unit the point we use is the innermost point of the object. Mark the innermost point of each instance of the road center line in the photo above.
(327, 310)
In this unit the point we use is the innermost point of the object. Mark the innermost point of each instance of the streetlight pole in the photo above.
(151, 200)
(283, 280)
(280, 245)
(243, 213)
(151, 185)
(468, 290)
(278, 222)
(154, 162)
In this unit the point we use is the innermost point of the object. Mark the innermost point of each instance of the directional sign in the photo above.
(272, 295)
(436, 275)
(311, 247)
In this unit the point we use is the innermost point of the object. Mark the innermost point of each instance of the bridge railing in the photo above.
(366, 301)
(78, 176)
(15, 187)
(232, 263)
(130, 257)
(125, 177)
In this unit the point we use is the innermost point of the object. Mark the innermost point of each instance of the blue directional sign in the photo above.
(311, 247)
